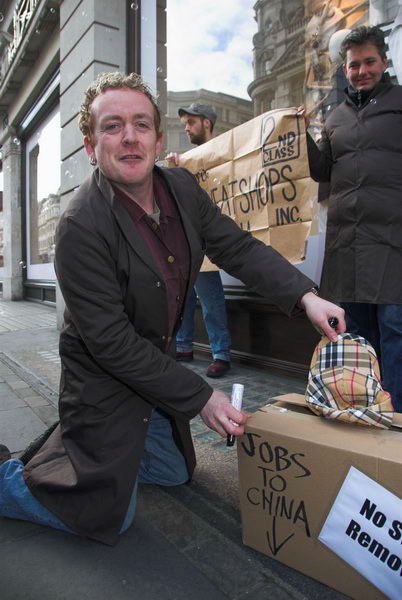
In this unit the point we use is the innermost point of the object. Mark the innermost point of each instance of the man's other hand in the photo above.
(218, 414)
(173, 157)
(303, 113)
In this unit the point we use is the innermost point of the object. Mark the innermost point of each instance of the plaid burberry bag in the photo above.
(344, 383)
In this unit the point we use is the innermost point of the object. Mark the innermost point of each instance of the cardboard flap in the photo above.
(287, 401)
(299, 401)
(292, 402)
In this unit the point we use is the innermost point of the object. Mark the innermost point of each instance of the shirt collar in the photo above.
(162, 198)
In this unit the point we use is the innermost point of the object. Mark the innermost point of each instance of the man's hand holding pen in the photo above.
(219, 414)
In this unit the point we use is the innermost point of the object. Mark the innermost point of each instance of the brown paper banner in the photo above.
(258, 174)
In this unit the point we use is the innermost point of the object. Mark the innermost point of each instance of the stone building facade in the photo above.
(50, 51)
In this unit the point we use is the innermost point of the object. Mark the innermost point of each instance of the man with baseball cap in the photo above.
(198, 129)
(199, 121)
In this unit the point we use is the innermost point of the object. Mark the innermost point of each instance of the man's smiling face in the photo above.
(364, 66)
(124, 139)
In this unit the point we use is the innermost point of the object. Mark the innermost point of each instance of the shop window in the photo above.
(43, 196)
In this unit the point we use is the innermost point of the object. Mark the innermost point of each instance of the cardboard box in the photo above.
(292, 464)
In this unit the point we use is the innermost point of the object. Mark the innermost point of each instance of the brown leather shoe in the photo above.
(184, 356)
(218, 368)
(4, 454)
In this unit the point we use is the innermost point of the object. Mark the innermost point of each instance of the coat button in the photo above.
(158, 284)
(164, 337)
(170, 259)
(169, 338)
(145, 419)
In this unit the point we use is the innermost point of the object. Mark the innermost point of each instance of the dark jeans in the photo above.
(208, 288)
(381, 325)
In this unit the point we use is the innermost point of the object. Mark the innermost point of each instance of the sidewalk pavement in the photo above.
(185, 542)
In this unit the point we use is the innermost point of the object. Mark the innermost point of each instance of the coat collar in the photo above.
(360, 98)
(126, 225)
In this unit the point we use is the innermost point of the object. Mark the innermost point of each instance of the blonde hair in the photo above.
(114, 80)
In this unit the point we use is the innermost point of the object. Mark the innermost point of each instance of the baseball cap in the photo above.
(199, 110)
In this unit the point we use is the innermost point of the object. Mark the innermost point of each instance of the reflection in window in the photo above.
(292, 62)
(295, 56)
(43, 168)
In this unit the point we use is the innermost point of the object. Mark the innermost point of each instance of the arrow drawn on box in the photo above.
(274, 547)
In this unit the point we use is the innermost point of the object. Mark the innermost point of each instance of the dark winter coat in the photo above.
(114, 368)
(360, 153)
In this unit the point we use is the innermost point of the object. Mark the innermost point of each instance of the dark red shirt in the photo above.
(167, 244)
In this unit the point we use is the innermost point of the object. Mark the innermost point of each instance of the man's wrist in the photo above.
(312, 290)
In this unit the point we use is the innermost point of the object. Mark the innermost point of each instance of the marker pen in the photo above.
(236, 401)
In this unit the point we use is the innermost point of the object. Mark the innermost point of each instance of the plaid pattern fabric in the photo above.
(344, 383)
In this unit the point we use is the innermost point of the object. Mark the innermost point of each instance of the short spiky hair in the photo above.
(114, 80)
(364, 35)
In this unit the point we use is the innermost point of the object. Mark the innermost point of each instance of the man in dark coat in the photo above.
(129, 248)
(360, 153)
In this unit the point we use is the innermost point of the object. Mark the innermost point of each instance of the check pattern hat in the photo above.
(344, 383)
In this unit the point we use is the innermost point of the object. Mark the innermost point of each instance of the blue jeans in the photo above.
(17, 502)
(208, 288)
(381, 325)
(162, 464)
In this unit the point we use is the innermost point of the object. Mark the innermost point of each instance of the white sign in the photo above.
(364, 527)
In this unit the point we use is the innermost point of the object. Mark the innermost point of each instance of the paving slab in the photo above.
(47, 414)
(19, 426)
(43, 564)
(34, 400)
(8, 398)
